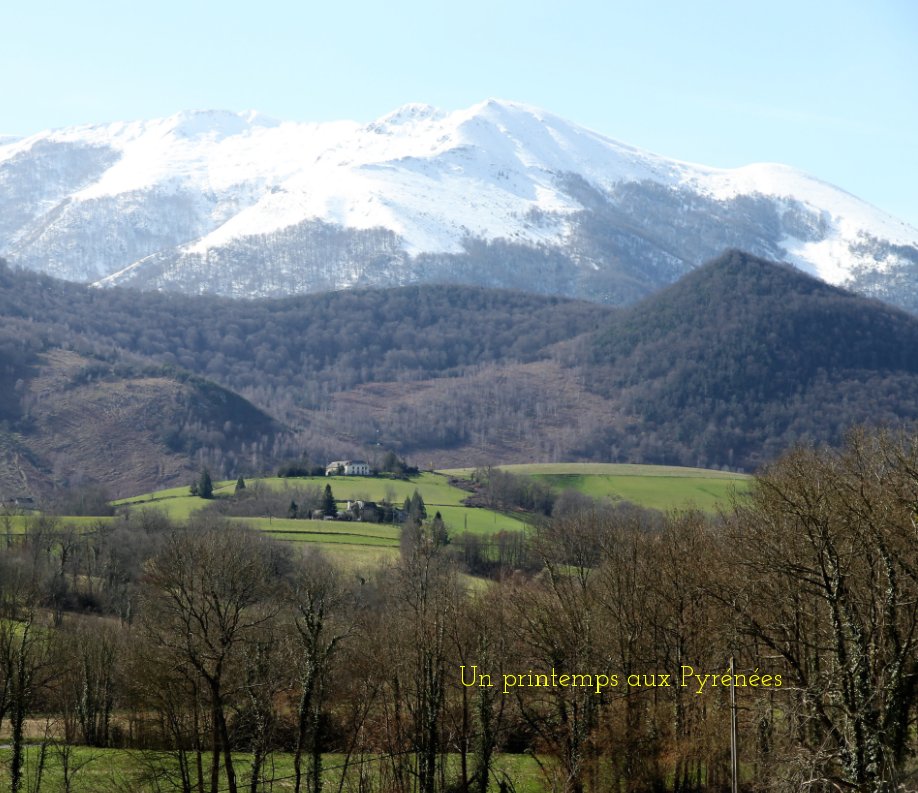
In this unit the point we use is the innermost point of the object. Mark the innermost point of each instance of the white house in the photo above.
(348, 468)
(356, 468)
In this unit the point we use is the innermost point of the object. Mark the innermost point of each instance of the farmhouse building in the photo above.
(348, 468)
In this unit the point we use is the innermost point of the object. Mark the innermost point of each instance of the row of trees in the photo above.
(213, 648)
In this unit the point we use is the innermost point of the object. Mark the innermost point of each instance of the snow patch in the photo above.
(827, 259)
(849, 214)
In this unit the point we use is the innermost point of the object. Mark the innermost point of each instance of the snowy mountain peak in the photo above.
(408, 115)
(192, 200)
(216, 124)
(495, 107)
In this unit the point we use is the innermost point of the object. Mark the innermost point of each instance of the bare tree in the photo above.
(828, 583)
(27, 652)
(320, 604)
(86, 696)
(210, 593)
(560, 628)
(421, 597)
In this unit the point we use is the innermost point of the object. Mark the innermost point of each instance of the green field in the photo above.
(654, 486)
(19, 523)
(433, 487)
(438, 495)
(94, 770)
(658, 487)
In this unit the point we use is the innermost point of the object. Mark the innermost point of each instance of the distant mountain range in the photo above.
(730, 366)
(499, 195)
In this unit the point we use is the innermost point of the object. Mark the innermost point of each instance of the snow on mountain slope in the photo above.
(197, 200)
(847, 215)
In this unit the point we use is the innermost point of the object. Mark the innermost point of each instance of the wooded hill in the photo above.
(737, 361)
(743, 358)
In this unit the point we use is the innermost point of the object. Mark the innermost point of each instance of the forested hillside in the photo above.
(290, 357)
(298, 351)
(736, 362)
(744, 357)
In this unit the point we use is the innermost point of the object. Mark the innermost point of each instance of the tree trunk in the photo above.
(305, 705)
(227, 752)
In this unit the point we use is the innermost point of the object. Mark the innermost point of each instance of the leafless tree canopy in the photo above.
(597, 649)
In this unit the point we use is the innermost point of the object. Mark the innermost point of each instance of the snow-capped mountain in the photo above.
(499, 194)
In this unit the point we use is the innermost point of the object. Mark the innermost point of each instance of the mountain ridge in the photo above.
(239, 204)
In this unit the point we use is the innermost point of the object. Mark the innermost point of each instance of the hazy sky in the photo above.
(828, 87)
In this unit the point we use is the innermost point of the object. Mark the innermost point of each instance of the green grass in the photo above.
(434, 488)
(476, 521)
(657, 492)
(383, 531)
(359, 557)
(122, 769)
(19, 523)
(335, 532)
(344, 537)
(101, 769)
(657, 487)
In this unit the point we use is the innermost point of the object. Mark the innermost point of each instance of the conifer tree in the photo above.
(417, 509)
(438, 531)
(205, 485)
(328, 502)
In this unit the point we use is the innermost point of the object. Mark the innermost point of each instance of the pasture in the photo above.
(654, 486)
(438, 494)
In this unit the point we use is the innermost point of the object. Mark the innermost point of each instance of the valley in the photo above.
(397, 437)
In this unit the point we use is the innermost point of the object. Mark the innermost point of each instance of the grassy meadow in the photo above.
(654, 486)
(93, 770)
(657, 487)
(438, 494)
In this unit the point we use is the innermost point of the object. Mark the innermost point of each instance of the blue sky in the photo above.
(828, 87)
